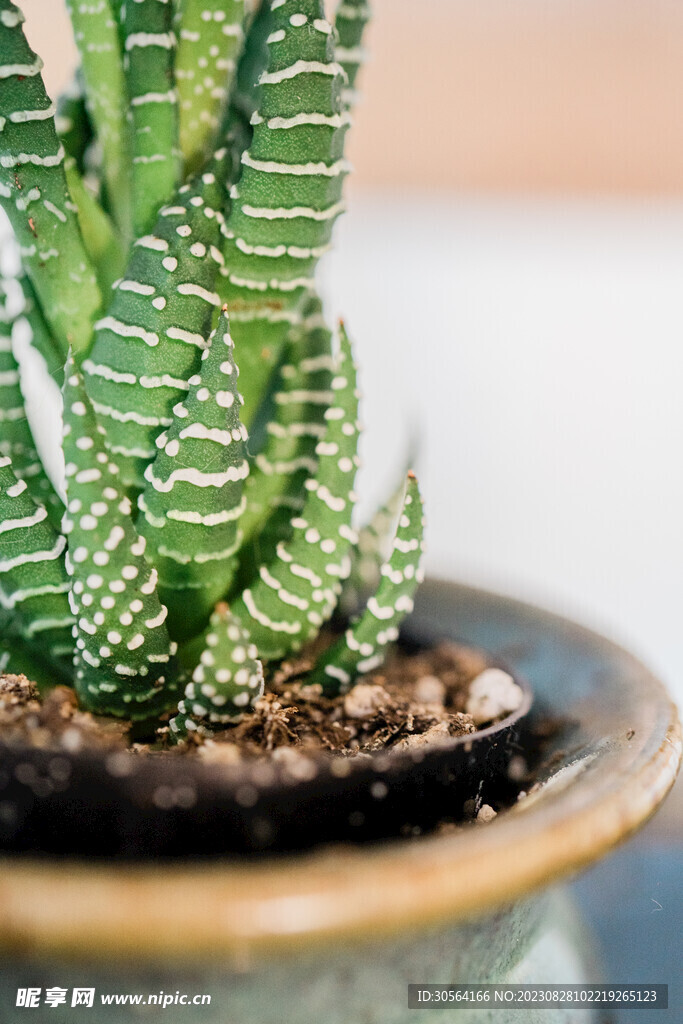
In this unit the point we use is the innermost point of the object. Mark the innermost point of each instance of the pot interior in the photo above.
(117, 805)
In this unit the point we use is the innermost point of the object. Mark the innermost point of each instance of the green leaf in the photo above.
(289, 195)
(16, 436)
(253, 61)
(150, 341)
(99, 233)
(97, 37)
(149, 53)
(16, 659)
(41, 337)
(363, 645)
(296, 593)
(227, 677)
(33, 583)
(351, 19)
(275, 490)
(123, 655)
(210, 37)
(373, 546)
(194, 499)
(34, 193)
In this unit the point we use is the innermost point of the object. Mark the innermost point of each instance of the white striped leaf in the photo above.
(193, 499)
(34, 193)
(123, 656)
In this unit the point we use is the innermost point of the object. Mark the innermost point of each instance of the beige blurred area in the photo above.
(532, 95)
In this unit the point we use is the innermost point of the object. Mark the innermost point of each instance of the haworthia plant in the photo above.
(170, 218)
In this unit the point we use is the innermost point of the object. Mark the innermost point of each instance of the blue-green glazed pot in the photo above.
(337, 934)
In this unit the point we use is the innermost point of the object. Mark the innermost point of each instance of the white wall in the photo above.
(540, 346)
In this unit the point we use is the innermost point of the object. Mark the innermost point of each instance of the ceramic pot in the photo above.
(337, 934)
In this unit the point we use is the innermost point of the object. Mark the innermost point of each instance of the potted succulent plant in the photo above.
(205, 535)
(169, 216)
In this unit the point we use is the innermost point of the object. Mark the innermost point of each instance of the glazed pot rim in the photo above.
(236, 909)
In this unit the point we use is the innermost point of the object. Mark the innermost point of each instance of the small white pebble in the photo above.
(429, 690)
(71, 740)
(493, 694)
(486, 813)
(364, 699)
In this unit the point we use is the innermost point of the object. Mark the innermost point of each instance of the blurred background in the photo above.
(511, 269)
